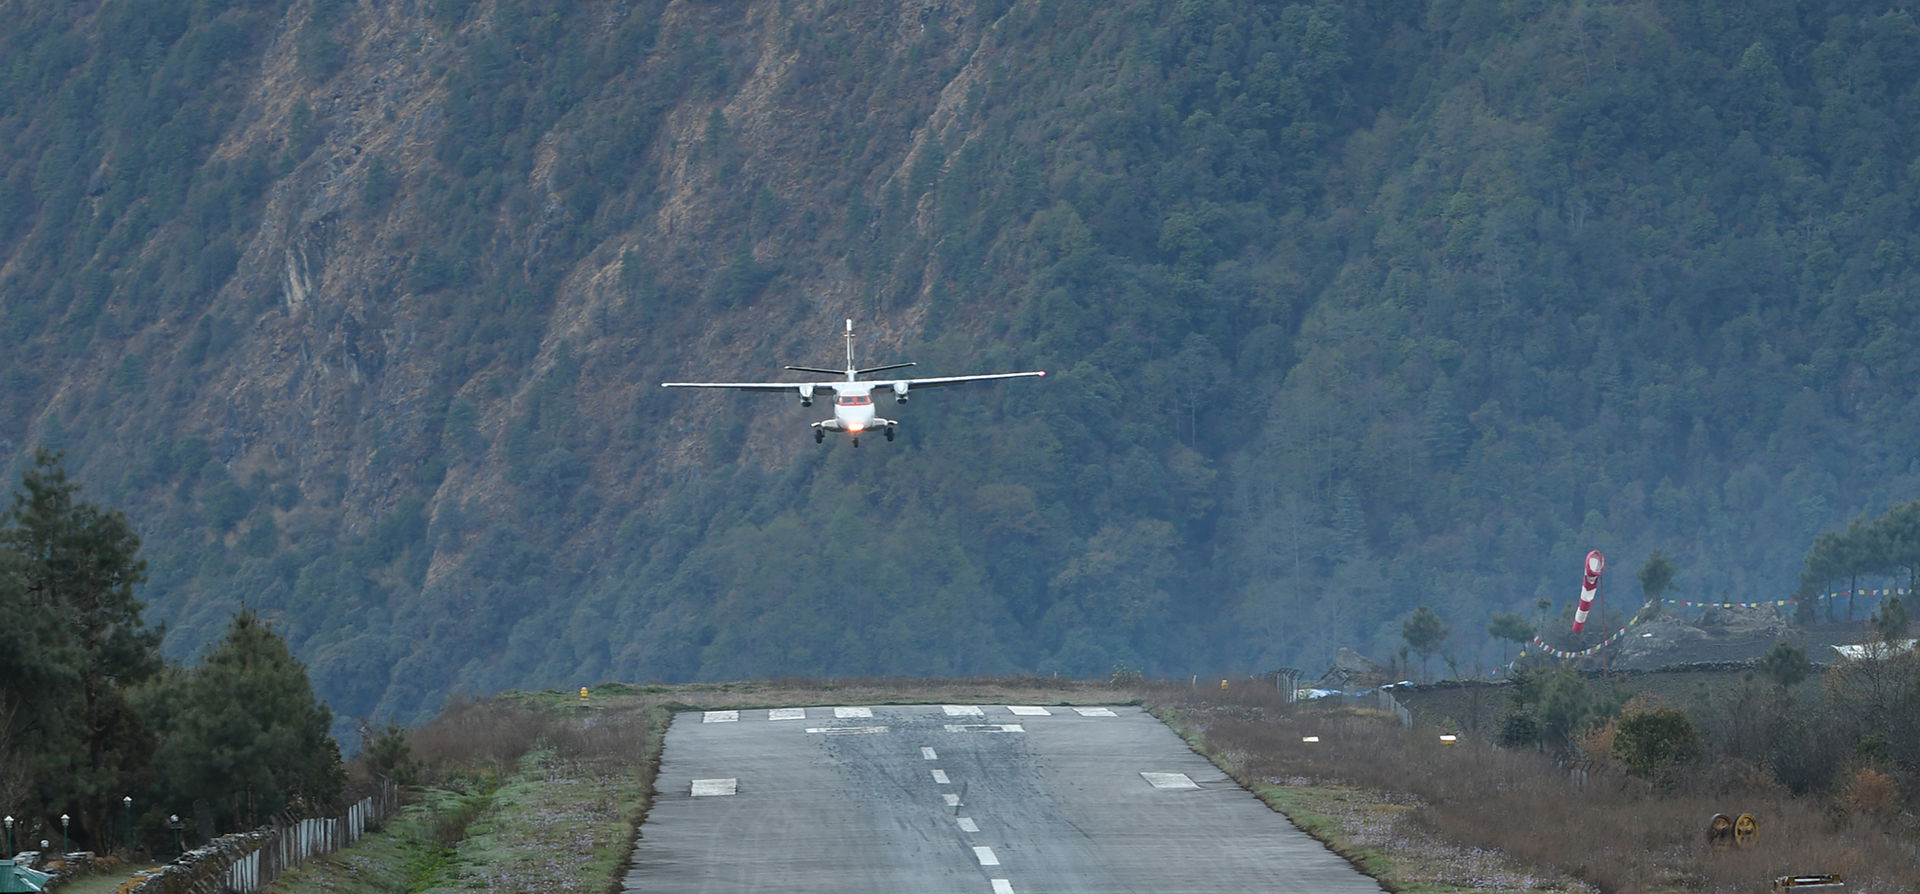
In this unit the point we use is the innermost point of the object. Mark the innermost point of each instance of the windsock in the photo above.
(1589, 587)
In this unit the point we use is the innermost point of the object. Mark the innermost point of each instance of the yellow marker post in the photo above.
(1223, 685)
(583, 695)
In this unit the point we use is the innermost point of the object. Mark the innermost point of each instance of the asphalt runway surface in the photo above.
(989, 799)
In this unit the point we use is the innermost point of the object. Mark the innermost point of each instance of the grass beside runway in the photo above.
(559, 816)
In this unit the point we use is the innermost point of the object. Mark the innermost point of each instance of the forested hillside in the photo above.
(359, 311)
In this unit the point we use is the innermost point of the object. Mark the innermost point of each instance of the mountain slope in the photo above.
(359, 311)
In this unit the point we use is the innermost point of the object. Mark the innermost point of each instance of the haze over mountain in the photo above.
(359, 311)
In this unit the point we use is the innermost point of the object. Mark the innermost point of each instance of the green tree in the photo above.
(1890, 620)
(72, 568)
(1565, 707)
(1424, 632)
(1785, 664)
(387, 753)
(244, 732)
(1652, 742)
(1510, 627)
(1656, 576)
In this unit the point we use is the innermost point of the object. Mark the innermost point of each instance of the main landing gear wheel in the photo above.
(819, 436)
(889, 432)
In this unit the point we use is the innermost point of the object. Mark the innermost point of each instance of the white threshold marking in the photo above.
(845, 713)
(1169, 780)
(940, 776)
(1002, 886)
(985, 856)
(787, 714)
(1095, 712)
(962, 710)
(721, 717)
(847, 730)
(927, 754)
(708, 788)
(1030, 710)
(952, 799)
(968, 825)
(985, 728)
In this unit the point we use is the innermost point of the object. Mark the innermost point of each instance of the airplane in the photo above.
(853, 411)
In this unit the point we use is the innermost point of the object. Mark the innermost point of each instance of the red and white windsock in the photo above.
(1589, 587)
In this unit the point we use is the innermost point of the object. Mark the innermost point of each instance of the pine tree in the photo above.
(1656, 576)
(1424, 631)
(71, 567)
(1510, 626)
(244, 732)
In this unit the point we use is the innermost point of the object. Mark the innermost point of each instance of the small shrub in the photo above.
(1519, 729)
(1870, 794)
(1653, 741)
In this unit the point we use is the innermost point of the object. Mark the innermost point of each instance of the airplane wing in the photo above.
(879, 384)
(792, 387)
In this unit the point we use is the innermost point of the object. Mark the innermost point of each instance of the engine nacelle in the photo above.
(806, 395)
(900, 392)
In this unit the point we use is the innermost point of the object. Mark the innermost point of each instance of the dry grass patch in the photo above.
(1520, 809)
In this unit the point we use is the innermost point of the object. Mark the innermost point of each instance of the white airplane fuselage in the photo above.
(853, 412)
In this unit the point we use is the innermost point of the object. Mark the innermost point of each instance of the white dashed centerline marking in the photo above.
(985, 856)
(720, 717)
(962, 710)
(708, 788)
(1002, 886)
(847, 730)
(952, 799)
(845, 713)
(927, 754)
(940, 776)
(1169, 780)
(1095, 712)
(787, 714)
(1030, 710)
(967, 824)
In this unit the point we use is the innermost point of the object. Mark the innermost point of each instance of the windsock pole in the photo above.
(1589, 588)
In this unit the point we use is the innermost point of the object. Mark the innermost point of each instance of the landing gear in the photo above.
(819, 435)
(889, 432)
(856, 442)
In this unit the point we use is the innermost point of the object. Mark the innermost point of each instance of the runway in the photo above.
(969, 799)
